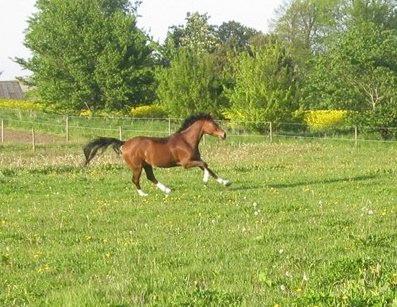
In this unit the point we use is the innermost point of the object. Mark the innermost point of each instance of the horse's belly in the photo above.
(165, 165)
(160, 157)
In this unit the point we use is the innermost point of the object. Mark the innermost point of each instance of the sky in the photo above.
(155, 18)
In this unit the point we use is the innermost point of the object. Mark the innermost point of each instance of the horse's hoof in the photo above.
(141, 193)
(224, 182)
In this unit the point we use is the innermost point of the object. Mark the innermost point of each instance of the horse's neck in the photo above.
(193, 134)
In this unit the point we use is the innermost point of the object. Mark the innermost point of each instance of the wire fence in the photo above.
(37, 128)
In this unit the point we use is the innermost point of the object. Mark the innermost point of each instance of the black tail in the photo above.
(91, 149)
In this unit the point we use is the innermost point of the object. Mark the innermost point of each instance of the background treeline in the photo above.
(336, 55)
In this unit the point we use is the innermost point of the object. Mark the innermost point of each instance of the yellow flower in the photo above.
(86, 113)
(324, 119)
(20, 104)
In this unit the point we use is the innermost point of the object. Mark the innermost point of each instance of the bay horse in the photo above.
(178, 149)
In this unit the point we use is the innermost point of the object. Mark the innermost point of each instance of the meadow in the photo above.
(304, 223)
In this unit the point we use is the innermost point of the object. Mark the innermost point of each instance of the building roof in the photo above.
(11, 90)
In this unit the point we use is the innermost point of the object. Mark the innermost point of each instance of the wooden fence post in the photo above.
(120, 133)
(355, 136)
(270, 132)
(67, 128)
(33, 140)
(2, 131)
(169, 125)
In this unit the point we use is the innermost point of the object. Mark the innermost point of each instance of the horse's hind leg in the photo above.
(136, 175)
(152, 178)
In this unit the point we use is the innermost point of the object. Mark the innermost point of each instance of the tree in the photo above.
(265, 87)
(189, 84)
(303, 25)
(358, 73)
(89, 54)
(380, 12)
(197, 34)
(235, 36)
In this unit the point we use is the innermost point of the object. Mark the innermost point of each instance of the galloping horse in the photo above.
(178, 149)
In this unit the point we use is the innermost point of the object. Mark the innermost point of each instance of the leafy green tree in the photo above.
(235, 36)
(197, 34)
(383, 13)
(89, 54)
(358, 73)
(190, 84)
(265, 87)
(303, 25)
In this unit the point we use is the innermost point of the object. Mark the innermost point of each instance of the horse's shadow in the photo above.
(247, 186)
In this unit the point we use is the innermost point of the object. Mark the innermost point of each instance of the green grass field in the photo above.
(304, 223)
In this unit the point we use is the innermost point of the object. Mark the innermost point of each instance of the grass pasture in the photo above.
(304, 223)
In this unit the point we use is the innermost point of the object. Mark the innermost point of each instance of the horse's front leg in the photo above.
(207, 171)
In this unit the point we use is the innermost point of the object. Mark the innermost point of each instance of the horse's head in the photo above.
(212, 128)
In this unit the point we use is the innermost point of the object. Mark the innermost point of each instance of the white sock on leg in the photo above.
(206, 176)
(163, 188)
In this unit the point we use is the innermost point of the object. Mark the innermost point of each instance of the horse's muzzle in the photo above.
(223, 136)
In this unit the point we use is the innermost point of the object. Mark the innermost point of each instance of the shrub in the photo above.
(325, 119)
(250, 119)
(264, 88)
(190, 85)
(149, 111)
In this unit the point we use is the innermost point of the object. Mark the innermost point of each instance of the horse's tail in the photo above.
(91, 149)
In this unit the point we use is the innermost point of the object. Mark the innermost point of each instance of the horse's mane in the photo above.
(192, 119)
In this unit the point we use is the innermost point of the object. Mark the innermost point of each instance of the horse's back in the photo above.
(148, 150)
(143, 141)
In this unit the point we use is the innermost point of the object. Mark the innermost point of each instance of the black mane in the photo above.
(192, 119)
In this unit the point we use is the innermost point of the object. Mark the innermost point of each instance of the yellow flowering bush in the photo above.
(85, 113)
(324, 119)
(149, 111)
(20, 104)
(100, 113)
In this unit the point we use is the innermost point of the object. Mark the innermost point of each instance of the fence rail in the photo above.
(52, 128)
